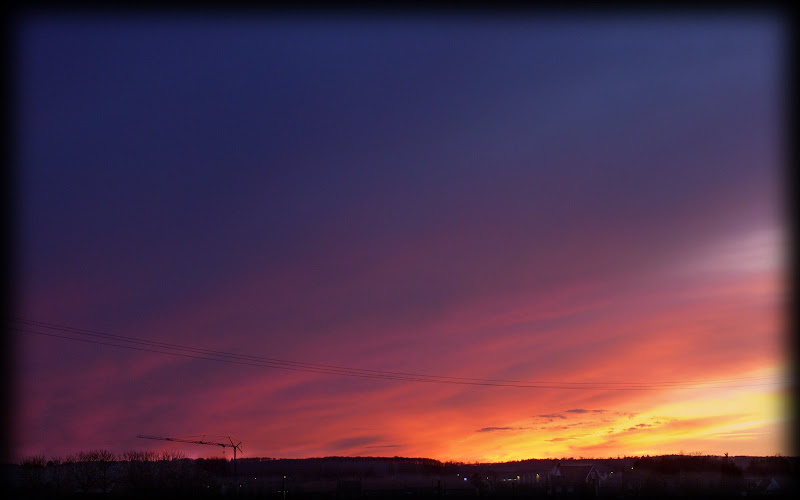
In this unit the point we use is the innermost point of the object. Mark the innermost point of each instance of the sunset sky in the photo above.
(570, 228)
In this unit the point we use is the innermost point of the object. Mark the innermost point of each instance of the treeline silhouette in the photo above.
(677, 464)
(101, 472)
(135, 474)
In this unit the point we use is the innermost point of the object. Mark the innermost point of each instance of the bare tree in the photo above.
(34, 471)
(93, 470)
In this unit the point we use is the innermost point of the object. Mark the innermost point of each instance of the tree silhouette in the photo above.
(93, 470)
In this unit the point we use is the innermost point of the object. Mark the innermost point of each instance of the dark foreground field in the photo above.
(99, 474)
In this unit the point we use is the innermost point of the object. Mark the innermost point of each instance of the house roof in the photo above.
(574, 472)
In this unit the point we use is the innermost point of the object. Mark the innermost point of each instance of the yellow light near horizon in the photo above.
(703, 416)
(744, 419)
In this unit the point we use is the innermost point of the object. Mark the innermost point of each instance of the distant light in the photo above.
(465, 479)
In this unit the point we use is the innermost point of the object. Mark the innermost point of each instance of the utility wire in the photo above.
(332, 367)
(335, 369)
(226, 354)
(212, 355)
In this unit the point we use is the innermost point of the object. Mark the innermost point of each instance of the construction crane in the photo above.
(229, 444)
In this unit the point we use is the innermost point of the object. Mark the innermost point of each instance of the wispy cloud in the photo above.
(581, 411)
(495, 429)
(550, 416)
(353, 442)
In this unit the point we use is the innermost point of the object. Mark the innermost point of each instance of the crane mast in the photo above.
(229, 444)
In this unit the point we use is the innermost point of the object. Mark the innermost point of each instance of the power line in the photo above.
(332, 367)
(140, 344)
(329, 369)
